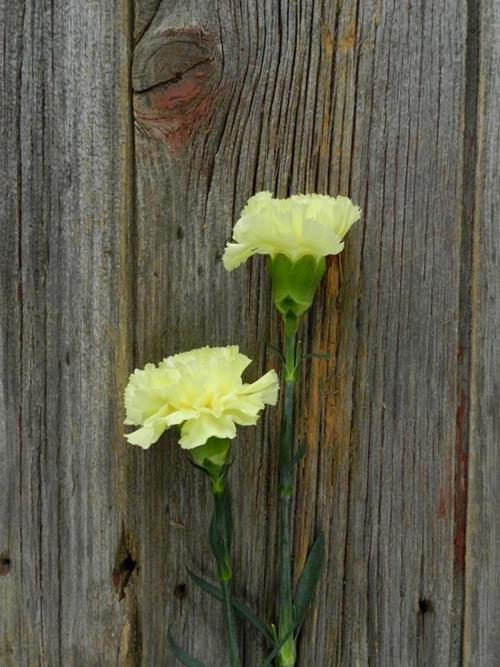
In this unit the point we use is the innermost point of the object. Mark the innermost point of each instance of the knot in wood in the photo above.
(174, 76)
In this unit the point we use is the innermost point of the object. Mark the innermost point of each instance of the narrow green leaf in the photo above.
(240, 607)
(246, 613)
(277, 648)
(276, 349)
(309, 578)
(206, 586)
(315, 355)
(195, 465)
(180, 654)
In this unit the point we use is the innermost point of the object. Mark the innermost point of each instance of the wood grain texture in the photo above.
(134, 133)
(65, 178)
(482, 613)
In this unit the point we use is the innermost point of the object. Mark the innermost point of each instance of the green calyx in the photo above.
(294, 286)
(212, 456)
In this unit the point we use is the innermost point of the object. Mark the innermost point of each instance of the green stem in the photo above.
(287, 656)
(224, 572)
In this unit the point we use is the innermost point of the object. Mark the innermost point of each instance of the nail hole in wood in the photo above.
(424, 606)
(180, 591)
(5, 565)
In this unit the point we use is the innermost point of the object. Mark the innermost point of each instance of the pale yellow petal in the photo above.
(145, 393)
(301, 225)
(180, 416)
(146, 435)
(265, 389)
(245, 416)
(235, 254)
(196, 432)
(202, 391)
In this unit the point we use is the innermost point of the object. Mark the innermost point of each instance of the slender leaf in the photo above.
(276, 650)
(276, 349)
(246, 613)
(206, 586)
(180, 654)
(195, 465)
(309, 578)
(304, 594)
(315, 355)
(240, 607)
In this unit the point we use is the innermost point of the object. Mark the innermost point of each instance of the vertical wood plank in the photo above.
(360, 98)
(10, 325)
(482, 614)
(66, 180)
(400, 347)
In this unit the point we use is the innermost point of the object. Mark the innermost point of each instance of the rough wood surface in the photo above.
(132, 134)
(482, 594)
(65, 316)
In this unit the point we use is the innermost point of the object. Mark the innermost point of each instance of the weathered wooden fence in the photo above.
(132, 133)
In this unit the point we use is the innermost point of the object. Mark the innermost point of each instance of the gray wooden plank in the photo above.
(399, 557)
(66, 179)
(366, 98)
(10, 507)
(482, 614)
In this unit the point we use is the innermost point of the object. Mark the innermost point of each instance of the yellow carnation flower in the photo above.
(201, 391)
(301, 225)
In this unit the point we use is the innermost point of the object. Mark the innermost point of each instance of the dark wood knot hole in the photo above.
(5, 565)
(180, 591)
(124, 566)
(424, 606)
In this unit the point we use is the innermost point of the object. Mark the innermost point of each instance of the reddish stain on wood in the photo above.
(461, 466)
(170, 97)
(175, 130)
(443, 502)
(174, 84)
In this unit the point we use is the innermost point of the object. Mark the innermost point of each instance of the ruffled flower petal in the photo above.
(300, 225)
(196, 432)
(201, 391)
(264, 390)
(145, 393)
(147, 435)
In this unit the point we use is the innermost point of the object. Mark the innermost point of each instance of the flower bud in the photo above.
(215, 452)
(294, 284)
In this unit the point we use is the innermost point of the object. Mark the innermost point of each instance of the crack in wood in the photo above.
(174, 79)
(125, 566)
